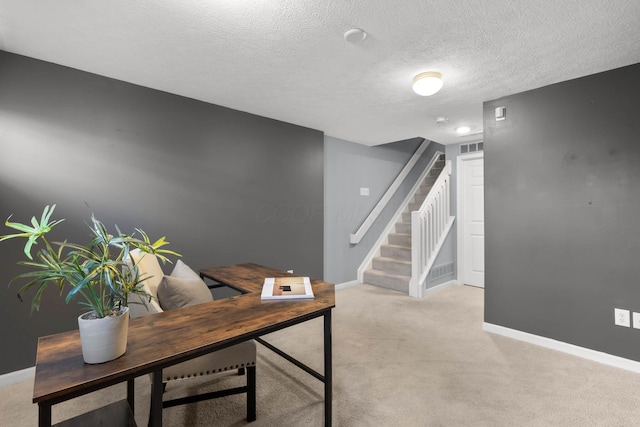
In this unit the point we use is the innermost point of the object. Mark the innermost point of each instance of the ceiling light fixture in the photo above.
(463, 129)
(428, 83)
(355, 35)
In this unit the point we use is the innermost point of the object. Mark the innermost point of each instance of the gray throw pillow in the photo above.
(183, 271)
(174, 292)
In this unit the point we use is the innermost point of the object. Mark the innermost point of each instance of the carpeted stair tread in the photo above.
(392, 265)
(397, 282)
(400, 239)
(396, 251)
(403, 227)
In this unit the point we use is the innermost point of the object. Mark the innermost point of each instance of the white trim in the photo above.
(354, 239)
(459, 212)
(368, 260)
(427, 292)
(346, 285)
(438, 288)
(17, 376)
(585, 353)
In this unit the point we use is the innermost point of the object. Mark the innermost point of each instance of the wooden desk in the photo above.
(163, 339)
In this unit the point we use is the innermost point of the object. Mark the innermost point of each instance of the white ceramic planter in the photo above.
(103, 339)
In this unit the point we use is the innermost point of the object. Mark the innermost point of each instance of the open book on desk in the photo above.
(278, 288)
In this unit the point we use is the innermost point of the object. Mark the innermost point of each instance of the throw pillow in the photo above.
(174, 292)
(183, 271)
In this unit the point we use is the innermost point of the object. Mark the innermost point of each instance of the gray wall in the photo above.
(348, 167)
(222, 185)
(561, 210)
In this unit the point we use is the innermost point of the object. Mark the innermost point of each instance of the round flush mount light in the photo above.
(428, 83)
(461, 130)
(355, 35)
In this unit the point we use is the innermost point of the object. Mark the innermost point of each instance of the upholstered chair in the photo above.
(184, 287)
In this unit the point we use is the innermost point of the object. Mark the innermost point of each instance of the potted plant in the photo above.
(99, 274)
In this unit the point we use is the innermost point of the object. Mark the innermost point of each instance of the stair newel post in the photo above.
(416, 241)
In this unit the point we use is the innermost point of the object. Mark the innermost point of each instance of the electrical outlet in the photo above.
(622, 317)
(636, 320)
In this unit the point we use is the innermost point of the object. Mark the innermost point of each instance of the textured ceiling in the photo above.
(288, 60)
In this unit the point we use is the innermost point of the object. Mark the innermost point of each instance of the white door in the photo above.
(471, 217)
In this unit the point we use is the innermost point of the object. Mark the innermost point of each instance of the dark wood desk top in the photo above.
(163, 339)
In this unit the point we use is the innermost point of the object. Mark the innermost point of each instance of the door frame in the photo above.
(460, 218)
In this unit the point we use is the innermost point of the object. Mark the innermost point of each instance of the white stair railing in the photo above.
(429, 227)
(384, 236)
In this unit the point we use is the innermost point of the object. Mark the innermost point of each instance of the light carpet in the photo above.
(398, 361)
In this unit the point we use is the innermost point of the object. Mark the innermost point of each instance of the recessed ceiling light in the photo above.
(428, 83)
(442, 119)
(463, 129)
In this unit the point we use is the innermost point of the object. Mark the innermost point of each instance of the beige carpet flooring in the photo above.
(398, 361)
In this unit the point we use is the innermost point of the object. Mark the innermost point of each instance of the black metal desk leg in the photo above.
(131, 394)
(44, 415)
(155, 417)
(251, 393)
(328, 395)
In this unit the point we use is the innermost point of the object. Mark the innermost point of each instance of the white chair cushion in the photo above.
(149, 267)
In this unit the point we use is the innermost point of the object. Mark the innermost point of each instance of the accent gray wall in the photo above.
(348, 167)
(224, 186)
(562, 203)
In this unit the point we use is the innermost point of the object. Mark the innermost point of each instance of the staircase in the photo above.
(392, 267)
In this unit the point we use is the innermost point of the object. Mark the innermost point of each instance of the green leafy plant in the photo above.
(99, 273)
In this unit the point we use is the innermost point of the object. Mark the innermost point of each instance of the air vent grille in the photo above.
(472, 147)
(441, 271)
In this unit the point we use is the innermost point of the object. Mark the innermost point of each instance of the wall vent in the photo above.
(441, 270)
(472, 147)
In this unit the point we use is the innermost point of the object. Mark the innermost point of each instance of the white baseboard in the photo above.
(428, 291)
(439, 287)
(17, 376)
(346, 285)
(585, 353)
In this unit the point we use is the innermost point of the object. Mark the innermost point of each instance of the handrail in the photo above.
(355, 238)
(367, 262)
(430, 225)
